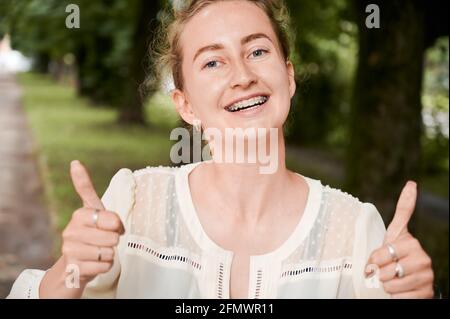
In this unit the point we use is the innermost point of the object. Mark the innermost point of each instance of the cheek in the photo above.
(204, 95)
(276, 76)
(205, 99)
(283, 97)
(207, 87)
(279, 85)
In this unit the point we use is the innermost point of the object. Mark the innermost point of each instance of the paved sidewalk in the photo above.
(25, 230)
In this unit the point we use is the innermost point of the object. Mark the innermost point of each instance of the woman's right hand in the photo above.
(88, 242)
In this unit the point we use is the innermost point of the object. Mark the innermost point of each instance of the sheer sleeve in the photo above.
(119, 198)
(369, 235)
(26, 285)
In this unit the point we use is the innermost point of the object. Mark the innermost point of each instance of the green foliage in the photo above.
(37, 26)
(435, 100)
(100, 45)
(325, 60)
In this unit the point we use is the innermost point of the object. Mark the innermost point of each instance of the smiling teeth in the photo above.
(247, 103)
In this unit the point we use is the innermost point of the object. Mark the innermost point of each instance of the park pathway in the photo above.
(25, 227)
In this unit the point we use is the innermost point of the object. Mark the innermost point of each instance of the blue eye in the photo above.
(211, 64)
(258, 53)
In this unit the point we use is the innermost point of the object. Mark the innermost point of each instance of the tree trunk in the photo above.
(386, 122)
(132, 110)
(82, 87)
(41, 62)
(96, 79)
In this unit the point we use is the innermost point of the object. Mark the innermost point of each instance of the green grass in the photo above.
(66, 127)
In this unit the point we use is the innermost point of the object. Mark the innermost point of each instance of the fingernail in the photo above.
(412, 183)
(368, 271)
(75, 162)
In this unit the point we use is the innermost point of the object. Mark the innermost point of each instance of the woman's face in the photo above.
(231, 61)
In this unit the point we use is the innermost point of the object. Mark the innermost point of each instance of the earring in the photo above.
(197, 125)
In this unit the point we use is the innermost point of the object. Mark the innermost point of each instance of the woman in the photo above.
(157, 233)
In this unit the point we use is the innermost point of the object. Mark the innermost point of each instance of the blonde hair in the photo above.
(167, 53)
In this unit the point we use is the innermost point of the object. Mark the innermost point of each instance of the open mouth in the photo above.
(253, 102)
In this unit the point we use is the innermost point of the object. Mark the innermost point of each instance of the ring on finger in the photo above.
(95, 217)
(99, 256)
(392, 252)
(399, 271)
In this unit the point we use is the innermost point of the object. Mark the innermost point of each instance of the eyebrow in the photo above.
(244, 40)
(254, 36)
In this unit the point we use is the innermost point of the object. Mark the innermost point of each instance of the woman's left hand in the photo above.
(404, 267)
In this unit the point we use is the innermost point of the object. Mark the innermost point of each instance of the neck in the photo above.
(247, 193)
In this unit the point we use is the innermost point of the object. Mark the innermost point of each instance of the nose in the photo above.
(242, 76)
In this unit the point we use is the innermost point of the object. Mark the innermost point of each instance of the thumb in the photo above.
(403, 212)
(83, 185)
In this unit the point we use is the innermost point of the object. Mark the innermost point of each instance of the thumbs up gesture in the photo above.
(92, 233)
(404, 267)
(88, 241)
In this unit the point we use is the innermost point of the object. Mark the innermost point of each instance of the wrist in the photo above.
(60, 282)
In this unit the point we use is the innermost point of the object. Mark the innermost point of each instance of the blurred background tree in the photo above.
(386, 123)
(324, 56)
(107, 53)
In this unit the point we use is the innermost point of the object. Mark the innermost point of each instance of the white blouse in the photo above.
(165, 252)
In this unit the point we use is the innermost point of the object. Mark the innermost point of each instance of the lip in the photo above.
(245, 98)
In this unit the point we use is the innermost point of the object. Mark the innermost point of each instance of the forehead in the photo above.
(224, 22)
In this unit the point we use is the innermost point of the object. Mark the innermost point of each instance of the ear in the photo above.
(291, 75)
(182, 105)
